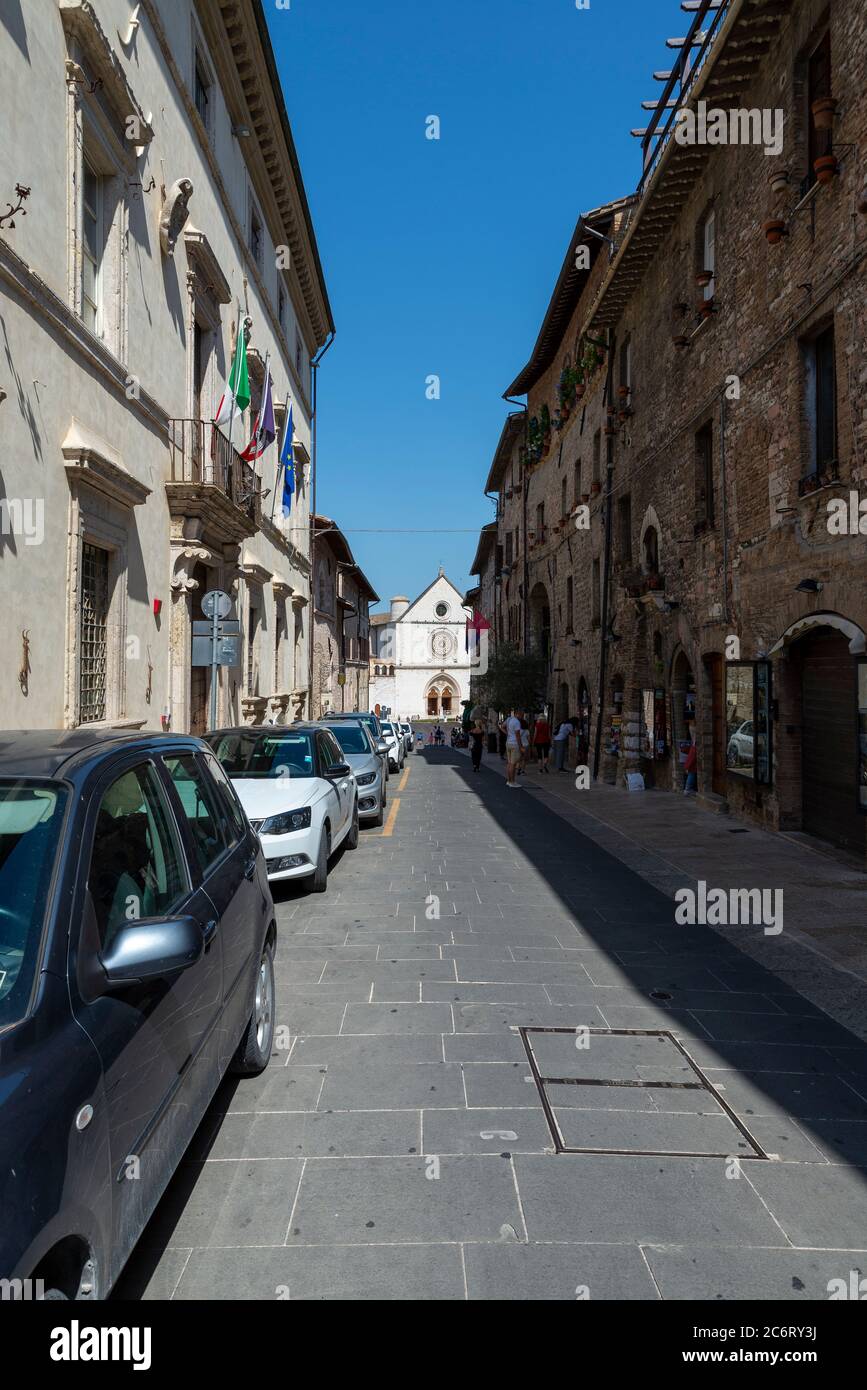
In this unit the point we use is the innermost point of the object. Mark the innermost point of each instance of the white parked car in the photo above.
(408, 737)
(359, 750)
(396, 749)
(299, 793)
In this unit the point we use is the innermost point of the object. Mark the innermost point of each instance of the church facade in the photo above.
(419, 664)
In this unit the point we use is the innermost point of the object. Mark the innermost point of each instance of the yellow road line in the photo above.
(388, 828)
(403, 780)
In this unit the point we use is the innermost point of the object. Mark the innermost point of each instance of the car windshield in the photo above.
(387, 729)
(31, 815)
(255, 754)
(351, 737)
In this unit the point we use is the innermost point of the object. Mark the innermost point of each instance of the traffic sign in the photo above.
(216, 604)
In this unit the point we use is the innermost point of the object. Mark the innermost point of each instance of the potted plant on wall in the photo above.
(779, 182)
(824, 109)
(825, 168)
(774, 229)
(703, 278)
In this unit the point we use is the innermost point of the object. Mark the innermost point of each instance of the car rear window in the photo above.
(351, 737)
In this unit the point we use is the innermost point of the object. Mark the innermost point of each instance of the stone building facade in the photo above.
(166, 214)
(341, 624)
(420, 665)
(716, 586)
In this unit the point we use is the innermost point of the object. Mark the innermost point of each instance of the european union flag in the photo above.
(287, 464)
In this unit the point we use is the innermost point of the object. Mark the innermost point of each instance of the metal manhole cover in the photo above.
(565, 1069)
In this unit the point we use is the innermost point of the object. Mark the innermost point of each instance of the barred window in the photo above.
(94, 634)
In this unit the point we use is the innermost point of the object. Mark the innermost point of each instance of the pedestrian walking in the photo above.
(525, 748)
(511, 727)
(477, 734)
(542, 742)
(561, 744)
(690, 785)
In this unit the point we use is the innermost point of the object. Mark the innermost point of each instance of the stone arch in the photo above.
(540, 620)
(650, 543)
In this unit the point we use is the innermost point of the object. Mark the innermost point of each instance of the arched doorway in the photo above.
(583, 715)
(683, 707)
(540, 621)
(442, 698)
(831, 761)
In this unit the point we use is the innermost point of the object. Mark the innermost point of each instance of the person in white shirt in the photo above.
(511, 727)
(561, 743)
(525, 748)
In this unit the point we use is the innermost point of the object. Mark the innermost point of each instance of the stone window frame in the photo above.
(91, 132)
(201, 58)
(649, 522)
(808, 379)
(102, 499)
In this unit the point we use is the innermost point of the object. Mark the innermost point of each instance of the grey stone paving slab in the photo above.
(485, 1131)
(278, 1136)
(810, 1032)
(391, 1086)
(151, 1280)
(492, 1018)
(344, 1272)
(655, 1200)
(397, 1018)
(817, 1205)
(762, 1056)
(393, 1200)
(802, 1095)
(384, 973)
(299, 1017)
(609, 1057)
(504, 1084)
(502, 1046)
(725, 1275)
(279, 1087)
(557, 1272)
(625, 1098)
(838, 1141)
(290, 994)
(224, 1204)
(372, 1051)
(639, 1132)
(504, 993)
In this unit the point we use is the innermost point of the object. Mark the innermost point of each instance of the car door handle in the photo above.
(250, 868)
(209, 930)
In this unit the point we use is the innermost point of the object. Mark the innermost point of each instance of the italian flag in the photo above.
(236, 396)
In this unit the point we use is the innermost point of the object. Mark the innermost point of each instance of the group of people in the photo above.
(521, 741)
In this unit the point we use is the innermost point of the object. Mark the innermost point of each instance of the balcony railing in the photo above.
(201, 454)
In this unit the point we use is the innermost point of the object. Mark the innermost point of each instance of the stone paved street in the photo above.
(398, 1145)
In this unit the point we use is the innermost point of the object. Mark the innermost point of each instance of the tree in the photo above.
(513, 680)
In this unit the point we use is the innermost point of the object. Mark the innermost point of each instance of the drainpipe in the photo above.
(525, 487)
(603, 626)
(722, 487)
(314, 473)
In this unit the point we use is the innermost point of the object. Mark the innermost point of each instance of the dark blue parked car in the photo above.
(137, 941)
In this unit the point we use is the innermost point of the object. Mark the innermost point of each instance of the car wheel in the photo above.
(352, 837)
(319, 880)
(254, 1049)
(379, 818)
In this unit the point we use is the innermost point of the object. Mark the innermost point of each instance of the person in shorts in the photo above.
(542, 742)
(511, 727)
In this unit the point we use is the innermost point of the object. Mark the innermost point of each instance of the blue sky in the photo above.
(440, 256)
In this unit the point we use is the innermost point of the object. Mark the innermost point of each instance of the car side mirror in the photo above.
(381, 746)
(339, 770)
(152, 950)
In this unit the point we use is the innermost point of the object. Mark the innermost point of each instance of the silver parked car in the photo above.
(360, 751)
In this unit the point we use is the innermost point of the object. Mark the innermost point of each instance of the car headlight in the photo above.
(289, 820)
(366, 778)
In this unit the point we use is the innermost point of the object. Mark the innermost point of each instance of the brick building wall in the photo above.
(718, 511)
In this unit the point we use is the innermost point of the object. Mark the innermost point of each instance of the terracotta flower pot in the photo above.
(680, 341)
(623, 392)
(779, 181)
(705, 307)
(774, 229)
(703, 278)
(824, 109)
(595, 489)
(825, 167)
(580, 389)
